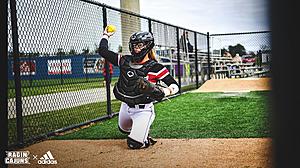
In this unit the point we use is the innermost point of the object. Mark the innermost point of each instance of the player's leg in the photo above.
(125, 121)
(142, 120)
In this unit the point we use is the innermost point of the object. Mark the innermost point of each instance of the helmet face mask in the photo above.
(139, 46)
(143, 41)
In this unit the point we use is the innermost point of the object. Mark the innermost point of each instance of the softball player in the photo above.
(137, 86)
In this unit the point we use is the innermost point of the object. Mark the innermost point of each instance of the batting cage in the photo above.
(61, 82)
(57, 81)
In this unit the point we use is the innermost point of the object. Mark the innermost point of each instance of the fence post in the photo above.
(107, 74)
(196, 61)
(61, 69)
(86, 69)
(208, 56)
(4, 84)
(150, 26)
(30, 70)
(17, 77)
(178, 59)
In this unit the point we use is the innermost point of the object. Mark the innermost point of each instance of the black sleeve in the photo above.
(111, 56)
(168, 80)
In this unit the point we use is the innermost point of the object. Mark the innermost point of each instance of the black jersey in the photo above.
(125, 88)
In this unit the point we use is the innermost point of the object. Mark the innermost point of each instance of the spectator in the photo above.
(227, 54)
(110, 71)
(258, 59)
(237, 58)
(185, 42)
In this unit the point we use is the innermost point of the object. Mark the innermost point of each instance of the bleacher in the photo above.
(221, 67)
(224, 67)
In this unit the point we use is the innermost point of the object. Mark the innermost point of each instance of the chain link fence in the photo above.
(244, 54)
(56, 77)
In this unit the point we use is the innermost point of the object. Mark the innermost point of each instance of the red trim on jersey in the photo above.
(154, 77)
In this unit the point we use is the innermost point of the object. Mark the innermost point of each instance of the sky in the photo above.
(213, 16)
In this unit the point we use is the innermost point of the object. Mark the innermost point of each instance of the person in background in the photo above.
(227, 54)
(237, 58)
(185, 44)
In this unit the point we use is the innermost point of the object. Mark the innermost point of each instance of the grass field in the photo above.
(50, 86)
(43, 123)
(197, 115)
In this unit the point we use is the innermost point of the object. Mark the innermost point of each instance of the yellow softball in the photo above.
(111, 28)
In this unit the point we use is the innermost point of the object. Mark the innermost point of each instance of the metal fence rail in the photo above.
(56, 79)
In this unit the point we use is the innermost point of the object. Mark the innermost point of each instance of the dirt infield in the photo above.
(235, 85)
(212, 153)
(171, 153)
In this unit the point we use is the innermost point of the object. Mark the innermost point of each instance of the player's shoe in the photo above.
(151, 140)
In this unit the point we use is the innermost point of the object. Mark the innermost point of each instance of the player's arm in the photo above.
(111, 56)
(172, 88)
(163, 75)
(156, 92)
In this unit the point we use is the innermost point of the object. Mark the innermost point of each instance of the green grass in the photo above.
(42, 123)
(188, 87)
(197, 115)
(41, 87)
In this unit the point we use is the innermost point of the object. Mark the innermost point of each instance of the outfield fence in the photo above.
(56, 79)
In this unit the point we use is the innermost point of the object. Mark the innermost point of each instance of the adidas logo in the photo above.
(47, 159)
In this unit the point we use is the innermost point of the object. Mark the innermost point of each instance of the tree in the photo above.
(264, 47)
(46, 54)
(32, 54)
(85, 51)
(72, 52)
(120, 49)
(237, 49)
(96, 48)
(60, 51)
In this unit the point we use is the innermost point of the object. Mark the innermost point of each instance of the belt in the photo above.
(138, 106)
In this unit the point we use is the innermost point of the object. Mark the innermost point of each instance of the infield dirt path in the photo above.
(235, 85)
(196, 153)
(169, 153)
